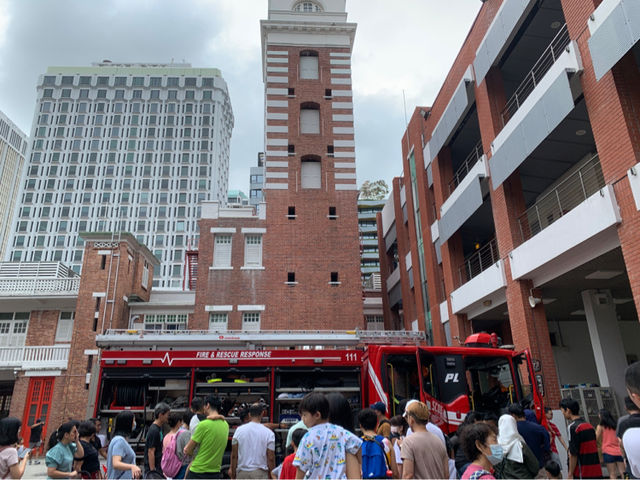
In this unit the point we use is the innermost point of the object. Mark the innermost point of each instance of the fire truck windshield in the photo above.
(490, 383)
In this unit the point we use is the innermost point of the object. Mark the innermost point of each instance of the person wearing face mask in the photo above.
(480, 445)
(519, 461)
(121, 459)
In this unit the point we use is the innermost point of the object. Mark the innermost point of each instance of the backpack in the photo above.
(374, 458)
(170, 463)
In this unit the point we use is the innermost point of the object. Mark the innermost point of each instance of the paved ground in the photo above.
(38, 471)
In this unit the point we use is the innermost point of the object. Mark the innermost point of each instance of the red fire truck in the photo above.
(140, 368)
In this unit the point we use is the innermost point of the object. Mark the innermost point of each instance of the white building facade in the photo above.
(124, 147)
(13, 147)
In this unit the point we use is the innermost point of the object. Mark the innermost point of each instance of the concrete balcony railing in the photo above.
(43, 357)
(19, 287)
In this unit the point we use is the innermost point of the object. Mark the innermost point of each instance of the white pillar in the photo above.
(606, 340)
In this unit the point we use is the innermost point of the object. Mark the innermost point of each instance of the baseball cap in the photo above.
(379, 406)
(417, 409)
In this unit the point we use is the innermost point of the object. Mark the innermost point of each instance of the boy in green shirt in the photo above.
(211, 436)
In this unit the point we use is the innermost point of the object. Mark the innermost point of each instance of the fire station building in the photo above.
(519, 207)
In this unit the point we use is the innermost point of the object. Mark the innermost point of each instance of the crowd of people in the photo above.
(324, 443)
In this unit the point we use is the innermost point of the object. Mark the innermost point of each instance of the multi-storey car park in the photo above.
(123, 147)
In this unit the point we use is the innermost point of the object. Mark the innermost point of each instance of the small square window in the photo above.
(330, 150)
(291, 149)
(334, 277)
(291, 212)
(327, 93)
(291, 277)
(332, 213)
(291, 92)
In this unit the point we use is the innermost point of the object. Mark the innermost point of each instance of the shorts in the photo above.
(606, 458)
(252, 474)
(204, 475)
(35, 445)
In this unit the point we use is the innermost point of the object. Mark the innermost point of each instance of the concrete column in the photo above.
(606, 339)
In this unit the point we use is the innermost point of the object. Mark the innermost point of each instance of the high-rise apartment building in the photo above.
(256, 182)
(369, 257)
(13, 147)
(124, 147)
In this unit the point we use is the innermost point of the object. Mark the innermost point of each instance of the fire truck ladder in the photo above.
(159, 339)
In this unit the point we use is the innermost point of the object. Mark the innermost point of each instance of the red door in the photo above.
(37, 406)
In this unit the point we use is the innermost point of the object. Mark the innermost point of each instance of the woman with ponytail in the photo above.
(59, 459)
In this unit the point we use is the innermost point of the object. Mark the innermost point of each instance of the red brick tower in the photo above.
(311, 249)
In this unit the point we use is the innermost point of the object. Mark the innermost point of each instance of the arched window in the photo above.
(310, 172)
(308, 65)
(307, 7)
(309, 118)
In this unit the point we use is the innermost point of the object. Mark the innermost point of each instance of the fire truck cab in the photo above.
(453, 380)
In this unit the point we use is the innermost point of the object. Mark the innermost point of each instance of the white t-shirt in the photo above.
(631, 444)
(253, 440)
(396, 449)
(193, 423)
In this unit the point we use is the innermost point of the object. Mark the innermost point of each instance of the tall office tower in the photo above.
(256, 182)
(124, 147)
(13, 147)
(310, 180)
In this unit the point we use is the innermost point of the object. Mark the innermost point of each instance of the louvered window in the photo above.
(309, 67)
(222, 251)
(311, 176)
(218, 322)
(309, 121)
(251, 321)
(65, 327)
(253, 251)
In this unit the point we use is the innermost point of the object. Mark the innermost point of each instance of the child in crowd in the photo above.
(326, 451)
(287, 471)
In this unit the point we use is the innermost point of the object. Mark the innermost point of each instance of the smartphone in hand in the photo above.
(22, 452)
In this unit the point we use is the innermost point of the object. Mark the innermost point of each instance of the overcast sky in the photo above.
(401, 45)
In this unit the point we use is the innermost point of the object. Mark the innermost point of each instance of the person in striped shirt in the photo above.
(584, 461)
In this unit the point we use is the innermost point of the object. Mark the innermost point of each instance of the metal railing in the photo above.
(467, 165)
(569, 193)
(541, 67)
(478, 262)
(373, 282)
(30, 357)
(39, 286)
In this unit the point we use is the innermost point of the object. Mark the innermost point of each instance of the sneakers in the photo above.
(36, 462)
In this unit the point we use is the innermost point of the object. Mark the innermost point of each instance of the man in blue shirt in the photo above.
(535, 435)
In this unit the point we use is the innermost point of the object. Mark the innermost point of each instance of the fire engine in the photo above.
(140, 368)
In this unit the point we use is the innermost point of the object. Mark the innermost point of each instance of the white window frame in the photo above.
(252, 254)
(374, 322)
(13, 330)
(64, 329)
(145, 275)
(165, 321)
(251, 321)
(219, 320)
(221, 258)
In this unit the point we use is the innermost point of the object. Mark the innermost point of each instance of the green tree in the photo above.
(374, 190)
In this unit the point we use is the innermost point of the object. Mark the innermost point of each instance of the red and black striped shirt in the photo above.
(582, 444)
